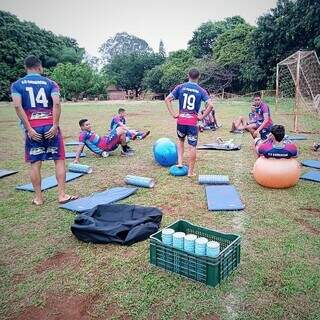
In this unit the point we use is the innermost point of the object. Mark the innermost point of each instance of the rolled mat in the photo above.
(76, 167)
(213, 179)
(139, 181)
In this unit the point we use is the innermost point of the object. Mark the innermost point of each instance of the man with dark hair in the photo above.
(190, 96)
(101, 145)
(120, 120)
(37, 104)
(264, 121)
(276, 146)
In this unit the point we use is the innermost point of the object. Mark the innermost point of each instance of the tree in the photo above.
(74, 79)
(152, 79)
(128, 70)
(233, 51)
(162, 50)
(20, 38)
(205, 36)
(291, 26)
(123, 44)
(176, 67)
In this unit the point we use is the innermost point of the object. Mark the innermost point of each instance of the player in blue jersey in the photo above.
(190, 96)
(37, 104)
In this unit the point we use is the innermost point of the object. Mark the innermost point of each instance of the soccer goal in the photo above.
(298, 86)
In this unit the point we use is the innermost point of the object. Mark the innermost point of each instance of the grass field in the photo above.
(46, 273)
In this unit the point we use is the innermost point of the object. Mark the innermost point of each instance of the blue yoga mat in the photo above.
(311, 176)
(311, 163)
(296, 137)
(223, 198)
(72, 143)
(50, 182)
(70, 155)
(105, 197)
(4, 172)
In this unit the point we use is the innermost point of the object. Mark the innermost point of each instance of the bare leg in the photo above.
(180, 152)
(35, 176)
(251, 128)
(192, 160)
(61, 179)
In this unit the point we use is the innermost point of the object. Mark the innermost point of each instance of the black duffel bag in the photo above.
(117, 223)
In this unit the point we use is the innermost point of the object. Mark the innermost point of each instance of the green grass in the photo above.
(279, 275)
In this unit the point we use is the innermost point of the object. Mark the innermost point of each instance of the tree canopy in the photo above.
(123, 44)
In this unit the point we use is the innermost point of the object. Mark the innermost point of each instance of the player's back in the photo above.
(36, 97)
(190, 95)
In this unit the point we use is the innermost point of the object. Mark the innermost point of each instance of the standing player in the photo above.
(37, 104)
(190, 96)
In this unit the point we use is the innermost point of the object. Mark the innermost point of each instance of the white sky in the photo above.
(91, 22)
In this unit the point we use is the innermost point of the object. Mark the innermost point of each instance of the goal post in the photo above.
(298, 86)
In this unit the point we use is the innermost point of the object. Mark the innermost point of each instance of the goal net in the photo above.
(298, 86)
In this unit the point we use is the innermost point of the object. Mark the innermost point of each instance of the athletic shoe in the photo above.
(145, 134)
(105, 154)
(127, 153)
(316, 146)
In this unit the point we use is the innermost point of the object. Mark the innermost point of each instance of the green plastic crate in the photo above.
(210, 271)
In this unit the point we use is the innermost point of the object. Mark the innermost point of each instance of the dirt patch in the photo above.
(167, 209)
(17, 278)
(308, 226)
(60, 308)
(58, 260)
(313, 211)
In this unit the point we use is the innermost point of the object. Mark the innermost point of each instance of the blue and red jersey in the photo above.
(117, 121)
(190, 96)
(261, 110)
(286, 149)
(36, 94)
(98, 144)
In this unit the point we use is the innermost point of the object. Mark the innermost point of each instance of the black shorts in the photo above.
(191, 132)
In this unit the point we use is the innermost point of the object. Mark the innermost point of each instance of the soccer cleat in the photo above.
(145, 134)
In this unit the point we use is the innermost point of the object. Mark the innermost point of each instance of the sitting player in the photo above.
(101, 145)
(209, 122)
(264, 122)
(275, 146)
(120, 121)
(241, 124)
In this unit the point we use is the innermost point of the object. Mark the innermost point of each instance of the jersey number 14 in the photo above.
(41, 97)
(189, 101)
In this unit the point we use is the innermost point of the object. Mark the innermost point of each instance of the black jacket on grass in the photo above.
(117, 223)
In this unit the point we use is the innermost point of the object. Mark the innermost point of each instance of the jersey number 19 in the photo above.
(189, 101)
(40, 98)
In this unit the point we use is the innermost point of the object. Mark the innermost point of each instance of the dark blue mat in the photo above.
(70, 155)
(4, 172)
(311, 176)
(50, 182)
(223, 198)
(311, 163)
(72, 143)
(98, 198)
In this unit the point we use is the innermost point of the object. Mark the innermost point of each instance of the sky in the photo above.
(91, 22)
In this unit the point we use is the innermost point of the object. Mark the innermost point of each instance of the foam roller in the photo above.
(213, 179)
(81, 168)
(139, 181)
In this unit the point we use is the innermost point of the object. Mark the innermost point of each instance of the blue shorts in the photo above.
(191, 132)
(46, 149)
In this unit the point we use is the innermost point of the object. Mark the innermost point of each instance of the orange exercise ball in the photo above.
(276, 173)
